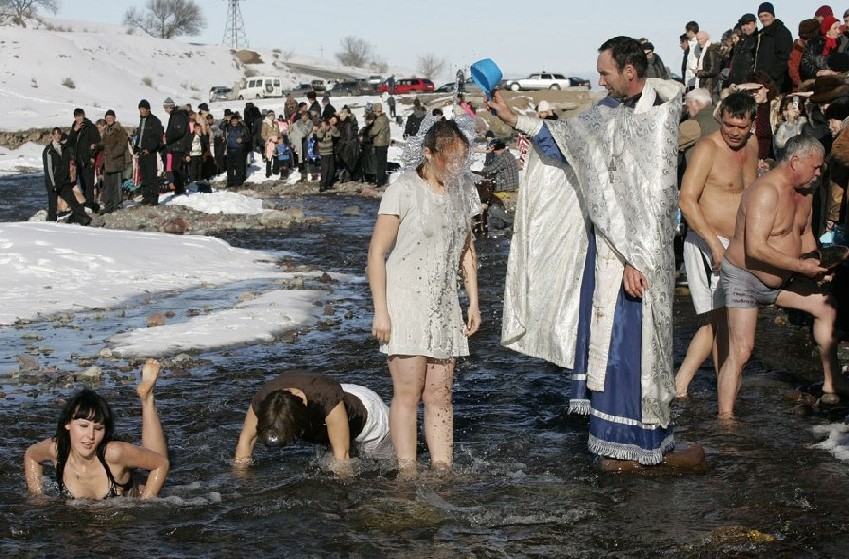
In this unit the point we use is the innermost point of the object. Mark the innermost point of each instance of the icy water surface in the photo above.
(524, 483)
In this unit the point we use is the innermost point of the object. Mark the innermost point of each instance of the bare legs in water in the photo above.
(421, 379)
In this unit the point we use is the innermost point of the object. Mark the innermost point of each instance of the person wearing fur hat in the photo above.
(830, 41)
(809, 30)
(743, 55)
(775, 43)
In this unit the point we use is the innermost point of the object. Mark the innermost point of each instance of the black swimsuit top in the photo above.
(114, 486)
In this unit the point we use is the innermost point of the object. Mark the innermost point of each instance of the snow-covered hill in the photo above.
(46, 73)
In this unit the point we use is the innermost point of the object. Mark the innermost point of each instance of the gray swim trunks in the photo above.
(741, 289)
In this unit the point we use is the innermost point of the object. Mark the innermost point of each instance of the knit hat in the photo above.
(766, 7)
(826, 24)
(143, 104)
(747, 18)
(110, 112)
(169, 102)
(809, 29)
(824, 11)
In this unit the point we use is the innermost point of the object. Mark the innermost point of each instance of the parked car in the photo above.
(318, 85)
(375, 80)
(580, 82)
(468, 87)
(301, 89)
(409, 85)
(220, 93)
(541, 80)
(260, 87)
(348, 88)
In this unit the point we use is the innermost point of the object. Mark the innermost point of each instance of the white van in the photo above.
(259, 87)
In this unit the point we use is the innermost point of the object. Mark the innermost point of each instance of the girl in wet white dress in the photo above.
(424, 225)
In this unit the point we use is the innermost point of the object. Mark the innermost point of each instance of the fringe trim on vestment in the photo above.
(579, 407)
(619, 451)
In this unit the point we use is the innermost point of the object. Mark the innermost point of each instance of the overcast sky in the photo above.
(522, 37)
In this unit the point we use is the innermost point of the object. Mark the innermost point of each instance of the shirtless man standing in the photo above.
(763, 266)
(721, 165)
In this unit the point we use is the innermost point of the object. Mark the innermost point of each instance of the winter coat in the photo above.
(149, 134)
(329, 111)
(290, 108)
(57, 166)
(238, 138)
(710, 67)
(315, 109)
(348, 147)
(269, 130)
(743, 60)
(795, 62)
(177, 136)
(774, 45)
(283, 152)
(656, 68)
(82, 141)
(114, 149)
(270, 148)
(250, 115)
(297, 132)
(325, 138)
(813, 60)
(380, 131)
(414, 122)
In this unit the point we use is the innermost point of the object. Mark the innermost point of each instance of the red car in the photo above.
(410, 85)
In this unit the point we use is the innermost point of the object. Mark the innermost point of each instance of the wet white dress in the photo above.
(423, 269)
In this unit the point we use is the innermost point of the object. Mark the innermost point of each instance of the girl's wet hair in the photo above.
(281, 418)
(442, 134)
(86, 404)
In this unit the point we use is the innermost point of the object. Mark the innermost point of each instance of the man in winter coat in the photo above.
(314, 107)
(298, 134)
(238, 139)
(326, 135)
(83, 139)
(114, 162)
(380, 135)
(327, 110)
(178, 143)
(656, 67)
(775, 43)
(57, 158)
(147, 145)
(348, 146)
(414, 121)
(743, 56)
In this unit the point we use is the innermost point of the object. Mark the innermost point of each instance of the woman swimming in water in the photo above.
(90, 464)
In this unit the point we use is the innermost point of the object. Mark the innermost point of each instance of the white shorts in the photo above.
(373, 441)
(701, 278)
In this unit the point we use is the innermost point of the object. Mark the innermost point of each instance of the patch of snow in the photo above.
(24, 160)
(218, 202)
(257, 320)
(51, 267)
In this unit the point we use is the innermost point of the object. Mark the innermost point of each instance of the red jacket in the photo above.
(793, 62)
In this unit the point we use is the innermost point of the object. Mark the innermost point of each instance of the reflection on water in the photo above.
(524, 485)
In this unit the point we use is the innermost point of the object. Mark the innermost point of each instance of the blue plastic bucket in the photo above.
(487, 75)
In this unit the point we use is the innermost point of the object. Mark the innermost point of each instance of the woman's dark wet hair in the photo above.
(442, 134)
(281, 418)
(86, 404)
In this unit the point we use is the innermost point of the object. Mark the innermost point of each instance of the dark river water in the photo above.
(524, 485)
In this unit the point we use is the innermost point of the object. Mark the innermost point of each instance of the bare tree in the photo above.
(430, 65)
(20, 10)
(378, 65)
(167, 19)
(355, 52)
